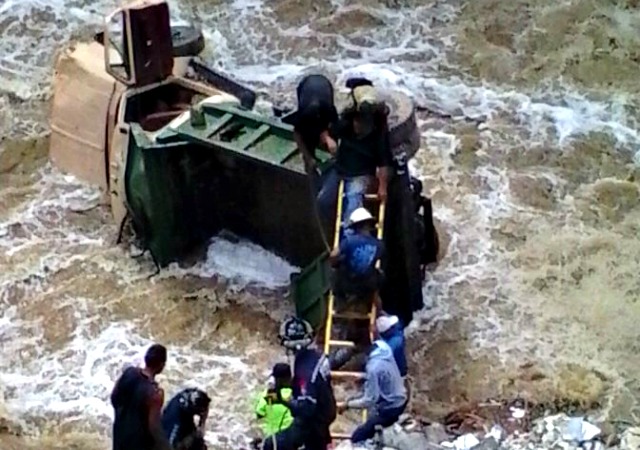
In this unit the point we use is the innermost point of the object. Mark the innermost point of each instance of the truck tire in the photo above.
(187, 40)
(403, 126)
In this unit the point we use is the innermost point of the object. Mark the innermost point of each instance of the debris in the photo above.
(464, 442)
(496, 432)
(517, 413)
(578, 430)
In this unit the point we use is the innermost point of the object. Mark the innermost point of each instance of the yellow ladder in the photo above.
(331, 312)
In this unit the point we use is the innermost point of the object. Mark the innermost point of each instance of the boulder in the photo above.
(630, 439)
(435, 433)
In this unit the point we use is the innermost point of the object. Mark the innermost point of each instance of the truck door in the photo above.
(138, 47)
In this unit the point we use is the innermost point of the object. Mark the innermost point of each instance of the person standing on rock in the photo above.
(384, 392)
(137, 402)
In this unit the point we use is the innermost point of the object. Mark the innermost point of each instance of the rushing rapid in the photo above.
(530, 153)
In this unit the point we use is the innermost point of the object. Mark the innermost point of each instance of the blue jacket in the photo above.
(394, 336)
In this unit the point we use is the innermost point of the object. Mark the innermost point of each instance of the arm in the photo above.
(309, 162)
(369, 397)
(203, 421)
(336, 254)
(155, 401)
(385, 162)
(383, 180)
(328, 142)
(261, 407)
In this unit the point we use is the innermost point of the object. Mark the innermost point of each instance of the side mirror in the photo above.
(117, 54)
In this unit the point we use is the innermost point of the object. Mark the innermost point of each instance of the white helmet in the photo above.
(360, 215)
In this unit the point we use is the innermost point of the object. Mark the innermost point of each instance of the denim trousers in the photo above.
(355, 189)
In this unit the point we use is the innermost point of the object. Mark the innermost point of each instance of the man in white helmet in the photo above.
(355, 259)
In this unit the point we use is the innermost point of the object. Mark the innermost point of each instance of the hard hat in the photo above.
(360, 215)
(295, 333)
(383, 323)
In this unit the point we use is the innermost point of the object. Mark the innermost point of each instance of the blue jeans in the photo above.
(355, 189)
(384, 417)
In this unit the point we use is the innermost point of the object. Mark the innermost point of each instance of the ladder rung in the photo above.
(371, 196)
(342, 343)
(340, 436)
(343, 374)
(351, 315)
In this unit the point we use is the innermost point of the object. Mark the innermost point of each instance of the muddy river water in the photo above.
(530, 153)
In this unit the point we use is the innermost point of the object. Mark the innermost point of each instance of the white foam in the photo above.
(241, 262)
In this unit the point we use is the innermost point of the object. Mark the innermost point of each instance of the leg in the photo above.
(354, 190)
(367, 430)
(328, 195)
(284, 440)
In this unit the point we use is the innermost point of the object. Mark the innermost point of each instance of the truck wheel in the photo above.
(187, 40)
(403, 126)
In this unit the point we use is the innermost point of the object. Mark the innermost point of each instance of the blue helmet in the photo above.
(295, 333)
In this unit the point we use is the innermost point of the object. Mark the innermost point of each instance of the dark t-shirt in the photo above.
(359, 253)
(357, 156)
(131, 399)
(316, 109)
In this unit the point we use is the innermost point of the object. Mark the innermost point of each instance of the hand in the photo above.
(331, 145)
(341, 407)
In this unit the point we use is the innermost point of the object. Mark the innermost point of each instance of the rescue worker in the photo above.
(137, 402)
(355, 260)
(364, 151)
(272, 408)
(391, 331)
(178, 423)
(315, 115)
(384, 393)
(313, 405)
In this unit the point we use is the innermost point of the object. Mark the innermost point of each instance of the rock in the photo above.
(532, 191)
(435, 433)
(399, 439)
(487, 444)
(630, 439)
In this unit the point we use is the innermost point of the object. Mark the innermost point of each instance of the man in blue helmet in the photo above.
(313, 405)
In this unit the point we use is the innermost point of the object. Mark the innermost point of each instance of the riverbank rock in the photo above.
(630, 439)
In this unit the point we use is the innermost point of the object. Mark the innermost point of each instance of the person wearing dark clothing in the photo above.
(384, 393)
(392, 332)
(313, 405)
(177, 419)
(355, 259)
(364, 152)
(137, 401)
(315, 115)
(427, 238)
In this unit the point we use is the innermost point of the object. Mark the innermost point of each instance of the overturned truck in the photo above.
(180, 153)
